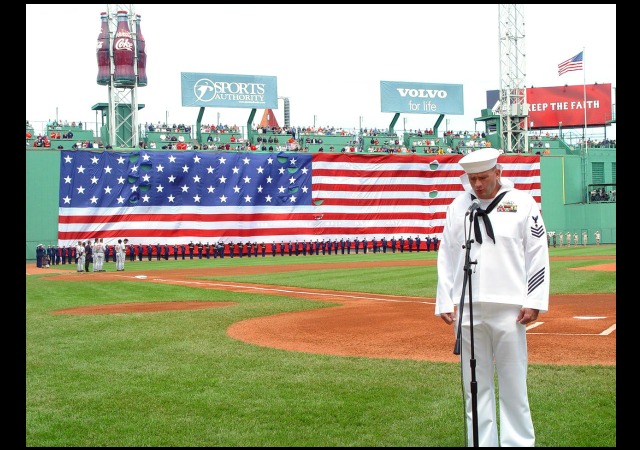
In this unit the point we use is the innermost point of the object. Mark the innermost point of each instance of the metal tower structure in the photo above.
(287, 111)
(514, 109)
(123, 100)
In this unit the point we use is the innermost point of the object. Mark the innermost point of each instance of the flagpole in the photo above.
(584, 91)
(584, 139)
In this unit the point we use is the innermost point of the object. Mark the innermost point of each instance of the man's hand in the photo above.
(448, 317)
(527, 315)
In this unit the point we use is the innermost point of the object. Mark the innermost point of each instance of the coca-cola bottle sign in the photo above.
(141, 54)
(103, 52)
(123, 56)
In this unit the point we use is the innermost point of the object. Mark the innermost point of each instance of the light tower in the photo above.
(123, 99)
(514, 109)
(287, 111)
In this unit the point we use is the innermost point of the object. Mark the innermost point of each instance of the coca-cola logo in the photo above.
(123, 44)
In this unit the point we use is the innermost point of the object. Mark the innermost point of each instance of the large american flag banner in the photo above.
(171, 198)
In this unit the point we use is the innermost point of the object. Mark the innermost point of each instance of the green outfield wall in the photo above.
(563, 180)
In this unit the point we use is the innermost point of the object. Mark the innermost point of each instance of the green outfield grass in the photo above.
(176, 379)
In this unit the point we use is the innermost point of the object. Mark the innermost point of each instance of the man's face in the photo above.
(485, 184)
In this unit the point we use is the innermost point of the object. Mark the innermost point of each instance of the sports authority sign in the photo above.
(229, 91)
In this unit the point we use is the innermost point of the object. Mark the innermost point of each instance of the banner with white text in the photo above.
(421, 98)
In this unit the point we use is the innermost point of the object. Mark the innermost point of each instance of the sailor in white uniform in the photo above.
(509, 288)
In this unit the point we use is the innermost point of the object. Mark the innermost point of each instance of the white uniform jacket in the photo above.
(514, 270)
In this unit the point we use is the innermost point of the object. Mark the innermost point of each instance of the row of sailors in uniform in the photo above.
(554, 238)
(66, 255)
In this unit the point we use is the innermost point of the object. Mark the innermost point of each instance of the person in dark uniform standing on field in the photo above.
(428, 243)
(240, 248)
(191, 248)
(356, 243)
(417, 243)
(200, 248)
(149, 251)
(232, 247)
(166, 252)
(393, 244)
(401, 241)
(140, 250)
(435, 243)
(175, 251)
(49, 253)
(40, 252)
(263, 248)
(132, 252)
(70, 254)
(410, 243)
(383, 244)
(158, 251)
(364, 245)
(183, 249)
(88, 252)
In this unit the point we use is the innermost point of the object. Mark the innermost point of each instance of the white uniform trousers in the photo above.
(81, 263)
(499, 340)
(119, 261)
(98, 261)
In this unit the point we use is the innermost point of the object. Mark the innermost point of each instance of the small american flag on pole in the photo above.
(571, 64)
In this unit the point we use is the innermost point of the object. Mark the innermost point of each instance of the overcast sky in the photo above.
(328, 59)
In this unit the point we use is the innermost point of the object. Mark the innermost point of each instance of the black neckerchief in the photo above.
(484, 213)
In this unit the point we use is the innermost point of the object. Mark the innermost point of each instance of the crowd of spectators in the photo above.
(302, 138)
(601, 195)
(164, 128)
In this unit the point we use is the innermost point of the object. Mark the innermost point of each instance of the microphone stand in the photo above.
(456, 349)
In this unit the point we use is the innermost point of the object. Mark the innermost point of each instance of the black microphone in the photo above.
(474, 205)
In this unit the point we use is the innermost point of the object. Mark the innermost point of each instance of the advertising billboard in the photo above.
(229, 91)
(421, 98)
(551, 106)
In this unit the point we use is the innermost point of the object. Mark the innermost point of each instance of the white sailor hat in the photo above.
(480, 160)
